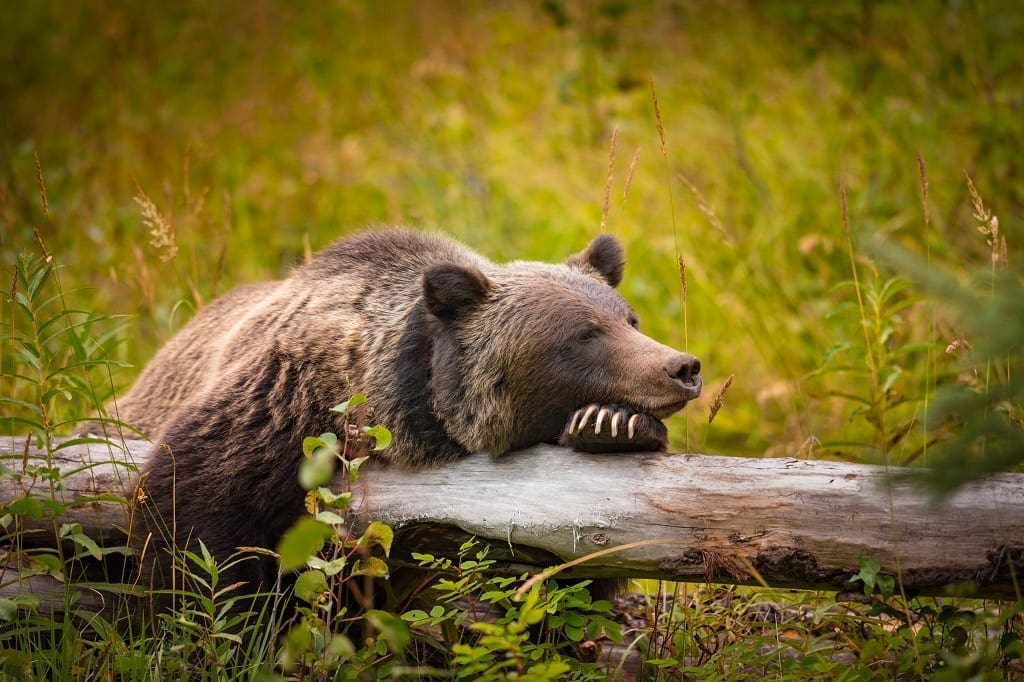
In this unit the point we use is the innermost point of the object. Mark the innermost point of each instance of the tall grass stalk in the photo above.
(878, 397)
(988, 226)
(629, 178)
(611, 177)
(663, 147)
(928, 368)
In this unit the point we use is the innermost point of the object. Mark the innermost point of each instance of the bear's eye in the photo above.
(588, 333)
(634, 322)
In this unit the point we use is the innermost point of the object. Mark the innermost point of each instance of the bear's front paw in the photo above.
(613, 428)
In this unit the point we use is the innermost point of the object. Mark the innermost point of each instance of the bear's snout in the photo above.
(684, 370)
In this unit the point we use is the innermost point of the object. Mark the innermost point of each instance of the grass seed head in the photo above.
(958, 344)
(988, 225)
(161, 231)
(42, 185)
(629, 175)
(657, 118)
(704, 206)
(845, 209)
(719, 399)
(47, 256)
(923, 174)
(682, 274)
(981, 214)
(611, 175)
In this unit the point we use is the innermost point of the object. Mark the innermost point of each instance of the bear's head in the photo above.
(518, 348)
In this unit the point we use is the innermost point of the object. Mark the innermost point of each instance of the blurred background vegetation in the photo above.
(253, 132)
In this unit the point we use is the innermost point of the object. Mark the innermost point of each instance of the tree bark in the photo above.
(780, 522)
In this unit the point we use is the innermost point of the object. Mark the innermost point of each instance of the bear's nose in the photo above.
(683, 367)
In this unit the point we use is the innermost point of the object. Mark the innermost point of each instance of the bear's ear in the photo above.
(449, 290)
(605, 255)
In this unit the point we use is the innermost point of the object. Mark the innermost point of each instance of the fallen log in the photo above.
(783, 522)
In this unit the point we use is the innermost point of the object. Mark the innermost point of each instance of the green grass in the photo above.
(298, 125)
(258, 132)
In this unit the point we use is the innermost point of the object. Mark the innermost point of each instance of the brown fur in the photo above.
(456, 355)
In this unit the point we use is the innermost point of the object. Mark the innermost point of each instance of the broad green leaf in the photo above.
(330, 518)
(88, 544)
(886, 584)
(302, 541)
(74, 532)
(27, 506)
(310, 585)
(353, 467)
(891, 379)
(341, 648)
(661, 662)
(355, 401)
(416, 616)
(49, 563)
(371, 566)
(332, 500)
(868, 572)
(531, 613)
(378, 533)
(8, 609)
(392, 630)
(318, 468)
(311, 443)
(381, 436)
(67, 529)
(21, 403)
(330, 568)
(574, 633)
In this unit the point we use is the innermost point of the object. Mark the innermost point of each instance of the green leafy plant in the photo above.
(980, 408)
(759, 131)
(56, 375)
(213, 632)
(336, 571)
(868, 368)
(472, 619)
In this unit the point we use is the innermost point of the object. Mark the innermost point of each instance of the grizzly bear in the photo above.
(456, 355)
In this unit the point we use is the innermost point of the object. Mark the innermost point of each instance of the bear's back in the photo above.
(351, 295)
(195, 357)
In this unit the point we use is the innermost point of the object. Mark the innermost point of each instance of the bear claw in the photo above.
(642, 431)
(587, 415)
(631, 427)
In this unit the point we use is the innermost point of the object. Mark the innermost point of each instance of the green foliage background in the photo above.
(261, 130)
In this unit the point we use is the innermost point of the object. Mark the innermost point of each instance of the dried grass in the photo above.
(988, 225)
(143, 280)
(610, 178)
(923, 174)
(629, 176)
(161, 229)
(42, 185)
(960, 343)
(704, 206)
(658, 120)
(47, 256)
(681, 262)
(224, 246)
(719, 398)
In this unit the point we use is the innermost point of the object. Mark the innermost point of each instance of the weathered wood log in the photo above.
(790, 523)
